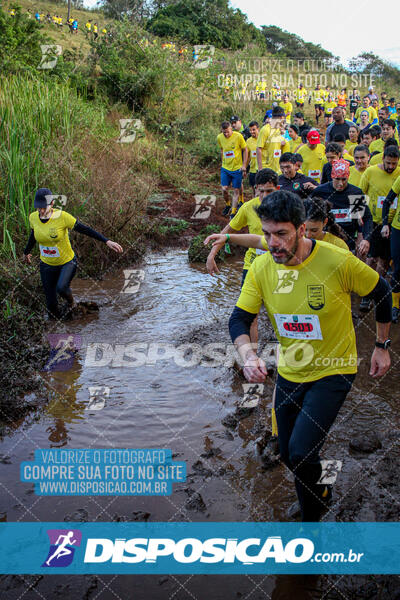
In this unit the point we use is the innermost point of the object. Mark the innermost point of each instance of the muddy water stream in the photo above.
(184, 408)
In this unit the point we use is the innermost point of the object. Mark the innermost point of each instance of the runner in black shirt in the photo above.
(349, 206)
(291, 180)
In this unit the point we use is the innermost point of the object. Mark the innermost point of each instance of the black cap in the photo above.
(43, 198)
(234, 119)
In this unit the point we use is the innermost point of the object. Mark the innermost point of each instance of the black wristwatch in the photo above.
(384, 345)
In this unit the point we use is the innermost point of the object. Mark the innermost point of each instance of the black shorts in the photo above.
(252, 179)
(379, 246)
(300, 104)
(245, 271)
(320, 106)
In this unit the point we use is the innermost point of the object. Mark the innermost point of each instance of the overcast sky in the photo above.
(352, 27)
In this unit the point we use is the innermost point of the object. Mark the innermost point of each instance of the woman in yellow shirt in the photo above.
(295, 140)
(50, 228)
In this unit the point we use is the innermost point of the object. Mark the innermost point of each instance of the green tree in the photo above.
(279, 41)
(20, 40)
(204, 22)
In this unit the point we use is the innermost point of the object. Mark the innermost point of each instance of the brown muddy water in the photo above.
(191, 408)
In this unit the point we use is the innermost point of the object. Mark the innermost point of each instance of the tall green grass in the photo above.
(38, 122)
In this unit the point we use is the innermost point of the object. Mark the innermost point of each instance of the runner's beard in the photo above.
(287, 255)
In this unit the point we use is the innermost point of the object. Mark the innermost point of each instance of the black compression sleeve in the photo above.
(240, 322)
(386, 206)
(81, 228)
(31, 243)
(368, 224)
(382, 296)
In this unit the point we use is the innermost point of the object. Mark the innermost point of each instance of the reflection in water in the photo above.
(63, 405)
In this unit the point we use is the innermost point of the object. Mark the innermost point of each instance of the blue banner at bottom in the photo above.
(204, 548)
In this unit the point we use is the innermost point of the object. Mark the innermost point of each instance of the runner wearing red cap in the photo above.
(313, 154)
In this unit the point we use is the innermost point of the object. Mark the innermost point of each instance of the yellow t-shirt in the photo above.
(350, 147)
(330, 238)
(377, 146)
(294, 145)
(376, 183)
(232, 150)
(251, 144)
(370, 110)
(318, 96)
(313, 161)
(270, 141)
(348, 156)
(329, 106)
(376, 159)
(52, 237)
(396, 218)
(288, 108)
(247, 217)
(355, 176)
(309, 306)
(300, 94)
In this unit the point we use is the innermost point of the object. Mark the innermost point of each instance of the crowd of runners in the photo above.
(323, 223)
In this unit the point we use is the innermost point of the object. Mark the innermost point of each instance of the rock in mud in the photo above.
(81, 515)
(211, 452)
(140, 515)
(230, 420)
(195, 501)
(200, 469)
(365, 444)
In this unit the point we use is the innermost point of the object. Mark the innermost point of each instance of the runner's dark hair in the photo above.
(319, 209)
(266, 176)
(282, 207)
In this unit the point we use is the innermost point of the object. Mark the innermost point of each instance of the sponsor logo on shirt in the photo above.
(286, 281)
(316, 296)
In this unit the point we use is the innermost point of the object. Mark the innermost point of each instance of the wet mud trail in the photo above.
(185, 398)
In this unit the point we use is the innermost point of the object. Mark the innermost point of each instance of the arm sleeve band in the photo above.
(81, 228)
(240, 322)
(367, 224)
(386, 206)
(382, 296)
(31, 243)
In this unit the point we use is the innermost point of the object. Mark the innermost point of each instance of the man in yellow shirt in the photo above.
(366, 105)
(251, 144)
(271, 144)
(390, 200)
(287, 107)
(300, 95)
(313, 154)
(306, 288)
(376, 182)
(234, 155)
(388, 131)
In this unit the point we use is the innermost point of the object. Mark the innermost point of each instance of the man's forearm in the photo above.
(259, 159)
(382, 331)
(215, 249)
(245, 348)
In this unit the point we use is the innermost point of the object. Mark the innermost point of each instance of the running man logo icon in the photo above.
(252, 393)
(129, 129)
(98, 396)
(357, 205)
(204, 205)
(286, 281)
(62, 547)
(50, 54)
(330, 470)
(203, 54)
(133, 279)
(63, 349)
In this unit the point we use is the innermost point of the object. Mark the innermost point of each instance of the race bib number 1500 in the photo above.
(299, 327)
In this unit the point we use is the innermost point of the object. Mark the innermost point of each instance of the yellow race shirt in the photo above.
(294, 145)
(247, 217)
(288, 108)
(52, 237)
(270, 141)
(313, 161)
(376, 183)
(309, 306)
(370, 110)
(300, 95)
(396, 218)
(251, 144)
(376, 159)
(329, 238)
(350, 147)
(355, 176)
(376, 146)
(232, 150)
(329, 106)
